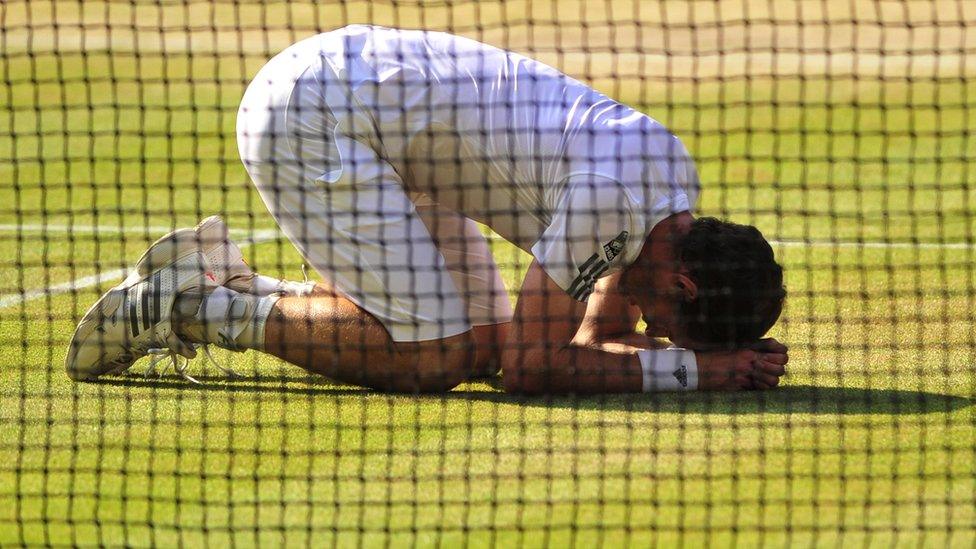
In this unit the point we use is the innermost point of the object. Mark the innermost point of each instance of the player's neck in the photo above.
(657, 261)
(659, 249)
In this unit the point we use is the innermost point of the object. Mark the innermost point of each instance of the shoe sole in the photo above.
(105, 307)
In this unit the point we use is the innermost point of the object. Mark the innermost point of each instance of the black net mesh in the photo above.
(521, 155)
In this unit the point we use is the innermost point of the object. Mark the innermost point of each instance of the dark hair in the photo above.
(740, 285)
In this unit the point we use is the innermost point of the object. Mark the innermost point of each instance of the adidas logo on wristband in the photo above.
(681, 374)
(668, 369)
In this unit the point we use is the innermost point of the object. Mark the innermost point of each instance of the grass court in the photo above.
(117, 124)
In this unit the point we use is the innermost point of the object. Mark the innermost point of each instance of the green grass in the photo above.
(870, 441)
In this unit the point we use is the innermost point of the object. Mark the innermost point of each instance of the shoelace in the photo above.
(180, 364)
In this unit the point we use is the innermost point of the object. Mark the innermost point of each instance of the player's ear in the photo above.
(687, 286)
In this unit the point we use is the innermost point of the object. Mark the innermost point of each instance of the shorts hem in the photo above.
(410, 333)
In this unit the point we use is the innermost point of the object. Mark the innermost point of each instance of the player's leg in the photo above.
(325, 334)
(394, 309)
(422, 343)
(334, 337)
(306, 323)
(171, 302)
(318, 328)
(468, 258)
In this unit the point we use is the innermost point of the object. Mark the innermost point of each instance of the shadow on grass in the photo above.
(796, 399)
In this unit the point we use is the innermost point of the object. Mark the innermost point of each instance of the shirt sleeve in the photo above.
(596, 229)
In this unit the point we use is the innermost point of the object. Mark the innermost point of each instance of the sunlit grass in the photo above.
(870, 440)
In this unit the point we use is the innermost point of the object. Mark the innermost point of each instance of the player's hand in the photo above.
(759, 367)
(770, 363)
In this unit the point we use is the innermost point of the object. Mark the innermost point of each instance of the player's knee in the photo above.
(434, 366)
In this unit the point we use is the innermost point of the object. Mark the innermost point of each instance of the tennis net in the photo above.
(842, 130)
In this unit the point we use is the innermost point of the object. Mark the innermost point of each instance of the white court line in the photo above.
(853, 244)
(244, 234)
(875, 244)
(110, 229)
(248, 238)
(10, 300)
(82, 229)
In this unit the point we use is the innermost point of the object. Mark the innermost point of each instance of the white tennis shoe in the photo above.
(135, 318)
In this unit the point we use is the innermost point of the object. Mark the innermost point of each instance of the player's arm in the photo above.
(541, 357)
(544, 356)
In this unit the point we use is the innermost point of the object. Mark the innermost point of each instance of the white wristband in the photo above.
(669, 369)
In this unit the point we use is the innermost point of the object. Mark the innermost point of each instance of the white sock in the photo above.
(265, 285)
(229, 319)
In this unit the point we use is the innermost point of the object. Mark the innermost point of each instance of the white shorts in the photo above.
(423, 271)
